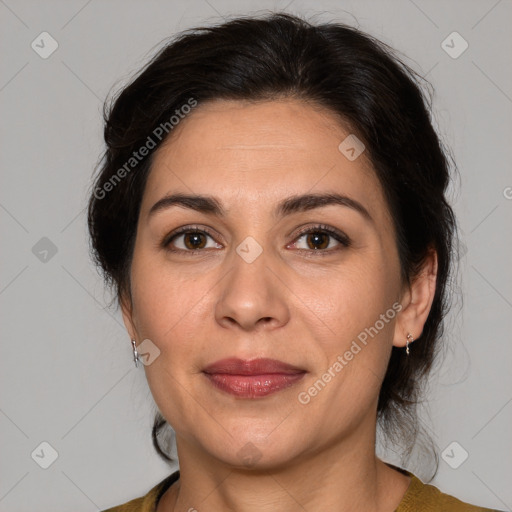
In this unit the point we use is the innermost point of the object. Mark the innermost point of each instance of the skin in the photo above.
(291, 303)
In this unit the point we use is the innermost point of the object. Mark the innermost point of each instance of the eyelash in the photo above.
(340, 237)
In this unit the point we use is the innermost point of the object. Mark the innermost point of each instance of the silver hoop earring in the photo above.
(135, 354)
(410, 339)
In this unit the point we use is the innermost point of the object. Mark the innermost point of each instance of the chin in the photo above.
(253, 450)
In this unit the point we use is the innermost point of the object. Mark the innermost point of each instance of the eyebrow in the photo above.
(293, 204)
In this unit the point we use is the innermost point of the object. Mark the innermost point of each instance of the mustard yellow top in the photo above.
(419, 497)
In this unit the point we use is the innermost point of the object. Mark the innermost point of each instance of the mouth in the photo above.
(256, 378)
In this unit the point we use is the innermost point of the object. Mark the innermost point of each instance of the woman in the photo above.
(271, 212)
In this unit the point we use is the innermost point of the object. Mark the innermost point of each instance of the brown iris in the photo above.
(321, 239)
(195, 240)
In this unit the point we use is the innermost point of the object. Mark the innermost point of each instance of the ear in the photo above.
(128, 317)
(416, 302)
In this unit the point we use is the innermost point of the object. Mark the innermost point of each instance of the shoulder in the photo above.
(422, 497)
(147, 503)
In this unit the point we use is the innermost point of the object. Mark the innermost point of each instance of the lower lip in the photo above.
(253, 386)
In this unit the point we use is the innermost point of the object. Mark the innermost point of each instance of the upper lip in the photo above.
(259, 366)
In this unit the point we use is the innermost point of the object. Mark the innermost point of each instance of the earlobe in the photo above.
(418, 300)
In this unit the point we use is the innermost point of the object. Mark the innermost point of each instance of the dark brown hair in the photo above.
(336, 66)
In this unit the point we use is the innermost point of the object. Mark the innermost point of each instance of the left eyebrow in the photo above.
(305, 202)
(289, 206)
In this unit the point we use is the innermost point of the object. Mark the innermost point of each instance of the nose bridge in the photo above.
(251, 291)
(249, 262)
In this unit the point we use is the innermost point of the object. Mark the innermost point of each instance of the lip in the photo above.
(261, 366)
(252, 379)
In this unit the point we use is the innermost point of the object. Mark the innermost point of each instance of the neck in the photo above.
(343, 476)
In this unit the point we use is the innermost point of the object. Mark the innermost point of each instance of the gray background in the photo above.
(67, 375)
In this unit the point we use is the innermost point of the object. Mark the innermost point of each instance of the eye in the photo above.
(189, 239)
(321, 239)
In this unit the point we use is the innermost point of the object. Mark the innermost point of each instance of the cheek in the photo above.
(354, 356)
(162, 298)
(347, 299)
(355, 306)
(170, 309)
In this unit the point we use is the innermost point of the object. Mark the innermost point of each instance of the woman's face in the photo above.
(262, 279)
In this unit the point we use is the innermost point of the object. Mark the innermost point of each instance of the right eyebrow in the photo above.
(204, 204)
(290, 205)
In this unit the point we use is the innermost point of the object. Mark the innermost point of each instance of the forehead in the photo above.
(259, 152)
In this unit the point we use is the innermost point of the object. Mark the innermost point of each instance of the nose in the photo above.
(252, 297)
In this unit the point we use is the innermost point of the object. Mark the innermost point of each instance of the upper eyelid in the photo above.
(331, 231)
